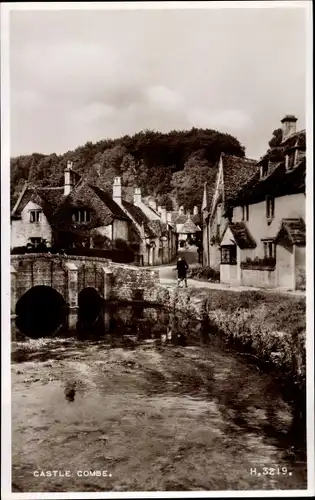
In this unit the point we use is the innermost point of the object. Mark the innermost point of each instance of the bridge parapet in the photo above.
(69, 275)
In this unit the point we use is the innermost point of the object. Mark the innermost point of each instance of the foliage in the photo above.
(188, 183)
(148, 159)
(266, 263)
(100, 241)
(276, 138)
(205, 273)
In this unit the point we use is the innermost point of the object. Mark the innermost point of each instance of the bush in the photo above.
(205, 273)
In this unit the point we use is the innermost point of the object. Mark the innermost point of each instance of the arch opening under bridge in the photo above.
(40, 312)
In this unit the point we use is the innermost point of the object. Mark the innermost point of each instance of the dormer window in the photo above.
(82, 215)
(35, 215)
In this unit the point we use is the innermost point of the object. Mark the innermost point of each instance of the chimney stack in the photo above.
(288, 126)
(137, 196)
(159, 209)
(163, 215)
(169, 217)
(68, 183)
(181, 210)
(117, 190)
(196, 211)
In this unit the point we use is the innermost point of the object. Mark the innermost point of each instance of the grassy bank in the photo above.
(271, 327)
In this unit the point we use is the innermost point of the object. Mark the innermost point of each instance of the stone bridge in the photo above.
(69, 275)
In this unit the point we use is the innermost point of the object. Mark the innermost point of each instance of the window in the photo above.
(270, 207)
(245, 212)
(82, 215)
(269, 249)
(228, 254)
(35, 215)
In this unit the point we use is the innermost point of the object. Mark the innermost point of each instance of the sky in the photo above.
(87, 75)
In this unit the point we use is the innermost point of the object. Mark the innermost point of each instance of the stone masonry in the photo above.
(69, 275)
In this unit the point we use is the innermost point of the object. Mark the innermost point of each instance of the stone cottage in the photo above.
(80, 214)
(156, 237)
(72, 215)
(232, 173)
(262, 243)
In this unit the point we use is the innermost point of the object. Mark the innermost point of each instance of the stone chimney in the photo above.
(181, 210)
(288, 126)
(117, 190)
(137, 196)
(169, 217)
(196, 211)
(159, 209)
(68, 176)
(163, 215)
(152, 203)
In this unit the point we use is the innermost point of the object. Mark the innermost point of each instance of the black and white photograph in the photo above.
(157, 249)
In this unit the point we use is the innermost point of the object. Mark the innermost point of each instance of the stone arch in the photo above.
(90, 304)
(40, 311)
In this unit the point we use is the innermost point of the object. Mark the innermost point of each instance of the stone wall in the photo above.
(260, 278)
(71, 274)
(127, 280)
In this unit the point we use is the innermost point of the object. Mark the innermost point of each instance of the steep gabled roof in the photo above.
(140, 217)
(292, 230)
(180, 219)
(242, 236)
(104, 210)
(46, 197)
(189, 227)
(236, 171)
(109, 202)
(298, 139)
(279, 182)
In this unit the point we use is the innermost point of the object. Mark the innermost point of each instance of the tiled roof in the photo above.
(292, 229)
(140, 217)
(298, 139)
(279, 182)
(189, 227)
(109, 202)
(241, 235)
(180, 219)
(236, 171)
(46, 197)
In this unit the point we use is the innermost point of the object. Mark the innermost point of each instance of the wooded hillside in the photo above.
(172, 167)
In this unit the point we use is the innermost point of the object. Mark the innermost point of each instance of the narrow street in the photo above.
(168, 278)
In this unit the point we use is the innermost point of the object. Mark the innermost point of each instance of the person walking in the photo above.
(182, 268)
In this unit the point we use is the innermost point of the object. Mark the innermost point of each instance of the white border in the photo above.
(5, 254)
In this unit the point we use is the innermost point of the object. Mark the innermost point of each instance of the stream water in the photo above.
(153, 397)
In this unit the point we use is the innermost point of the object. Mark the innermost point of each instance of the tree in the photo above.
(276, 138)
(188, 183)
(165, 200)
(154, 161)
